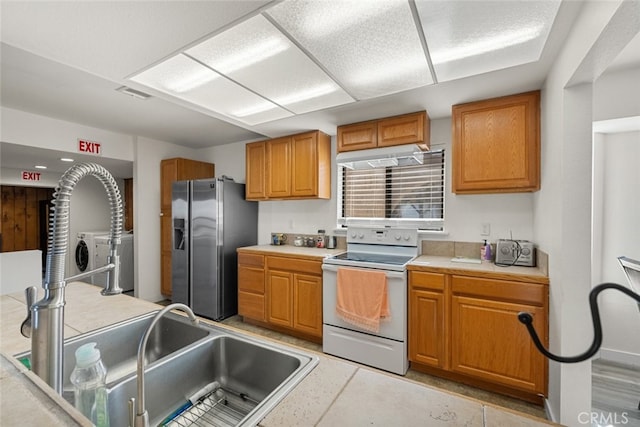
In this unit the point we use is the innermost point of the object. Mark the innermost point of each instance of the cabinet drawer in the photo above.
(420, 279)
(296, 265)
(251, 279)
(505, 290)
(251, 305)
(251, 260)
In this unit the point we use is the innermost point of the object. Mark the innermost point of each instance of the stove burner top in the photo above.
(374, 258)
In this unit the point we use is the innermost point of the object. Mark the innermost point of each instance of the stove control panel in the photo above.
(383, 236)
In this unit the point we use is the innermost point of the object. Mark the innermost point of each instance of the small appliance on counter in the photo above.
(278, 239)
(515, 252)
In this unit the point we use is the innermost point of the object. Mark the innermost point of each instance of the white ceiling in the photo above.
(65, 59)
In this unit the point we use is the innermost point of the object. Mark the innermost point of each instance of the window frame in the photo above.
(424, 224)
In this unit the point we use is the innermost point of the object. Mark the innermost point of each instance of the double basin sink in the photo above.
(246, 376)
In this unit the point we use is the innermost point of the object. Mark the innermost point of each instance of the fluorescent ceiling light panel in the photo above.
(258, 56)
(371, 47)
(217, 94)
(469, 38)
(176, 75)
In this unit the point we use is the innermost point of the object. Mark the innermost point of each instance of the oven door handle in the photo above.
(334, 268)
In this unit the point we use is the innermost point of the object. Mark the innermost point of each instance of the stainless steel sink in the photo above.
(253, 375)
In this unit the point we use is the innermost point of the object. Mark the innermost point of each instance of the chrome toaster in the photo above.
(515, 252)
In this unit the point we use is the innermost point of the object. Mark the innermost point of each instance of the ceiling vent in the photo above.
(132, 92)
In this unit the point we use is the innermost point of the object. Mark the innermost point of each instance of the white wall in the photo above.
(618, 174)
(562, 219)
(507, 213)
(89, 204)
(146, 212)
(19, 127)
(19, 270)
(616, 95)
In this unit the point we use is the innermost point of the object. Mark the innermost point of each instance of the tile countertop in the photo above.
(336, 392)
(441, 264)
(294, 251)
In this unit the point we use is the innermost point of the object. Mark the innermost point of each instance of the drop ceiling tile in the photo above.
(184, 78)
(259, 57)
(469, 38)
(371, 47)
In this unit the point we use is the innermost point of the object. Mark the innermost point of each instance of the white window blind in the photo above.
(406, 190)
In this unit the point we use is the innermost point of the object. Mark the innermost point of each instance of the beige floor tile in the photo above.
(374, 399)
(496, 417)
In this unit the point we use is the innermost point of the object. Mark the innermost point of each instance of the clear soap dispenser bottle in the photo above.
(89, 379)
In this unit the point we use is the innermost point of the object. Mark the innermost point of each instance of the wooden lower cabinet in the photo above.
(251, 287)
(428, 337)
(282, 293)
(466, 328)
(280, 298)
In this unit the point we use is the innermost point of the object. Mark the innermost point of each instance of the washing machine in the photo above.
(85, 252)
(126, 261)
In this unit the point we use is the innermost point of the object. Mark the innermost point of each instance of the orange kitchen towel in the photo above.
(361, 297)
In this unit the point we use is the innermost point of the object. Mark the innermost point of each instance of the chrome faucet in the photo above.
(141, 418)
(45, 318)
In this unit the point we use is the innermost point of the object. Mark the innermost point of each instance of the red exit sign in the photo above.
(89, 147)
(30, 176)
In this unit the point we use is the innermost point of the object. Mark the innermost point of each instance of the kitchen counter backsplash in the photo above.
(472, 250)
(341, 241)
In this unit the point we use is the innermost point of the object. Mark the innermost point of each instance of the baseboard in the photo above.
(547, 409)
(620, 356)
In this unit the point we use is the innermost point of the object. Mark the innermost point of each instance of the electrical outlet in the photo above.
(486, 229)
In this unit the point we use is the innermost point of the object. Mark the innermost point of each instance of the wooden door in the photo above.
(358, 136)
(280, 298)
(496, 145)
(307, 304)
(489, 343)
(22, 221)
(279, 167)
(128, 204)
(304, 164)
(255, 179)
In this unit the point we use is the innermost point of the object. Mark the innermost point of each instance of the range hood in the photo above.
(399, 155)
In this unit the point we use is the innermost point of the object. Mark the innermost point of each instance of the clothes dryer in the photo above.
(85, 252)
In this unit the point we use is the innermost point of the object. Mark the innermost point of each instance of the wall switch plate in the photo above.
(486, 229)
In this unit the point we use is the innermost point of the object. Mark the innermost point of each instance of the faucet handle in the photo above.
(31, 293)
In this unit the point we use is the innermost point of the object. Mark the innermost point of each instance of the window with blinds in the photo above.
(393, 191)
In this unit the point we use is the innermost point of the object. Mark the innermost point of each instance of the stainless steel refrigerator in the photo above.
(211, 219)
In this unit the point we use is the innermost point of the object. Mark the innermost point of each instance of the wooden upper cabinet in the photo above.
(413, 128)
(406, 129)
(291, 167)
(496, 145)
(358, 136)
(279, 168)
(175, 169)
(256, 184)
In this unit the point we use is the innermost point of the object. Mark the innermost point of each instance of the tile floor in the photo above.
(493, 398)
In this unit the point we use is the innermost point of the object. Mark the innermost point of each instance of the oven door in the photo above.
(395, 327)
